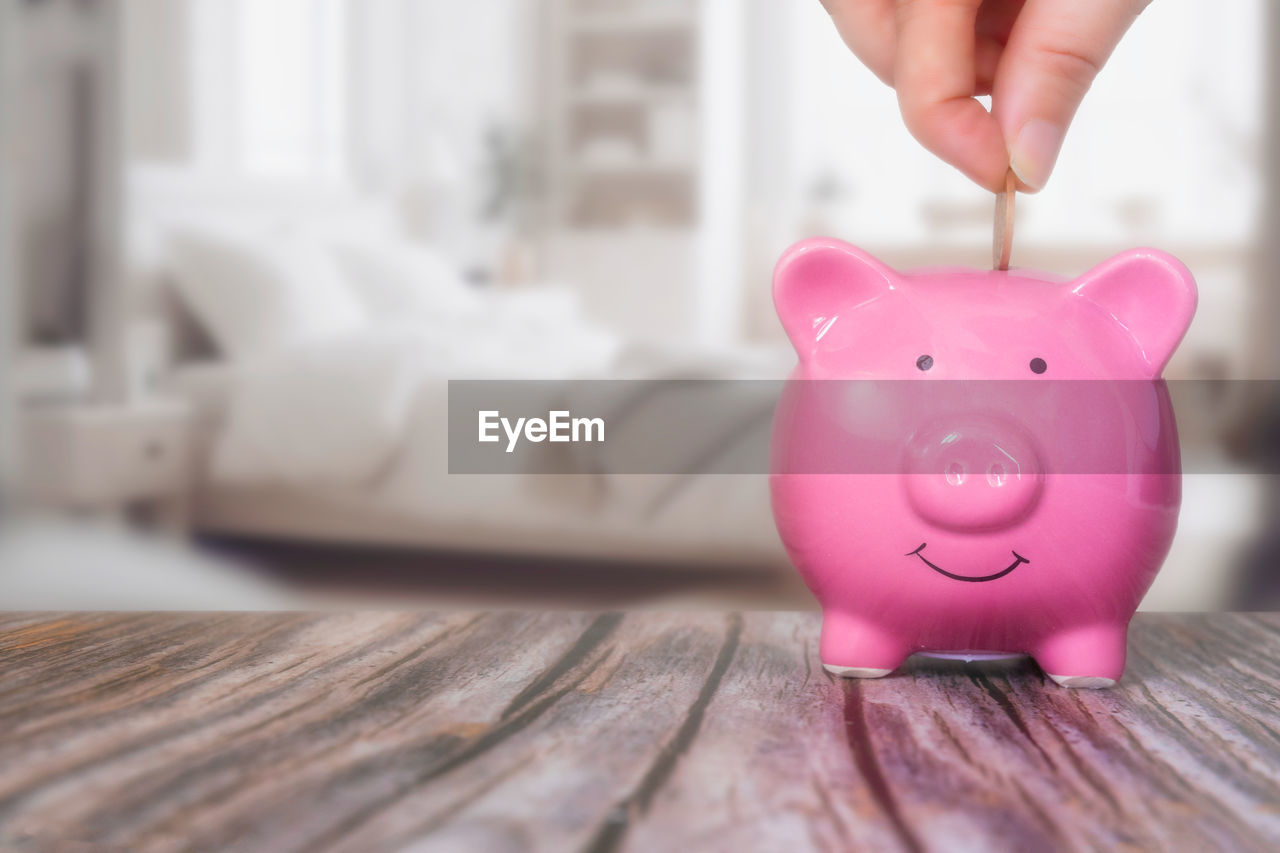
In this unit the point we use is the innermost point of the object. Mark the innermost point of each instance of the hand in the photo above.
(1036, 58)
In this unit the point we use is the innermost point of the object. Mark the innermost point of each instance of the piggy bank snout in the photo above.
(975, 473)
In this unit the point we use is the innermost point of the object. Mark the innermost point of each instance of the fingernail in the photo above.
(1034, 151)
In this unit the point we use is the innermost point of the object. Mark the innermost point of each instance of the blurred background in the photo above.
(244, 244)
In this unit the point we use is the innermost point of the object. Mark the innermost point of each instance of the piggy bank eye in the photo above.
(924, 362)
(1038, 366)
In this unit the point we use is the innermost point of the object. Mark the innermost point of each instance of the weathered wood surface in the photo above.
(594, 732)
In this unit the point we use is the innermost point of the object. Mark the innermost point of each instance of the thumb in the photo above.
(1055, 50)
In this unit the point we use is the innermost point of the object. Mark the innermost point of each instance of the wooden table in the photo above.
(648, 731)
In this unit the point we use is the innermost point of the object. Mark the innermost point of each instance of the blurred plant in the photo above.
(829, 188)
(513, 178)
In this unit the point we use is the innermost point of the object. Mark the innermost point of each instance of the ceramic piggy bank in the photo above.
(972, 463)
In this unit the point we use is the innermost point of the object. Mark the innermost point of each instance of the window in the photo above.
(268, 86)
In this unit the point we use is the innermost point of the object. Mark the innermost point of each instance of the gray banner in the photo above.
(601, 427)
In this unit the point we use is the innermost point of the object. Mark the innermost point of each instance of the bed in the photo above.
(312, 426)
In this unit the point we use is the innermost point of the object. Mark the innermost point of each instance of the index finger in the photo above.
(936, 78)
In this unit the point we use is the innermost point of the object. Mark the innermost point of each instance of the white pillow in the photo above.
(395, 279)
(258, 293)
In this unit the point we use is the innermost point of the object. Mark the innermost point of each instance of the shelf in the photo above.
(640, 97)
(627, 80)
(632, 22)
(630, 170)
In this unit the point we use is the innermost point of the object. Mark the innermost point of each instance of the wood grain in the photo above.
(601, 732)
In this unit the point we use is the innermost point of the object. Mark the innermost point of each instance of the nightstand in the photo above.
(108, 457)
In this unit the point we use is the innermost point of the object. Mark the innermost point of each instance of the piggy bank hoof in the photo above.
(855, 671)
(1084, 682)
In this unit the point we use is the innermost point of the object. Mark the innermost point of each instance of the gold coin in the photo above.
(1002, 239)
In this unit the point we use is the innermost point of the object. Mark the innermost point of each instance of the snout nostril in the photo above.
(972, 473)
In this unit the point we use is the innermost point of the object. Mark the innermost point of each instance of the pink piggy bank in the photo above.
(1023, 506)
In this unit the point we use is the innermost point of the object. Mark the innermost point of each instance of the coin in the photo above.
(1002, 239)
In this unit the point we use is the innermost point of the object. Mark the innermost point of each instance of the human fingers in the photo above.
(867, 27)
(1055, 50)
(936, 78)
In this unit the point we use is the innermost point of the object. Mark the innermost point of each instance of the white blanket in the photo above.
(334, 413)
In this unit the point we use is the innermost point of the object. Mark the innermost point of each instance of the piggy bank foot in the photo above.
(1084, 682)
(1090, 657)
(855, 671)
(851, 648)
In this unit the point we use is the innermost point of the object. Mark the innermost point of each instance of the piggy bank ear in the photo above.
(818, 282)
(1151, 294)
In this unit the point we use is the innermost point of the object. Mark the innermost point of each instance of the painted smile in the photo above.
(1018, 560)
